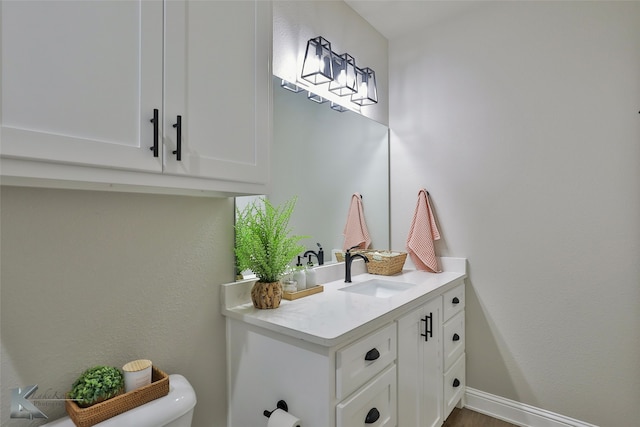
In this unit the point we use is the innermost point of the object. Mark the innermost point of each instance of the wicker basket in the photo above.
(379, 262)
(386, 265)
(87, 417)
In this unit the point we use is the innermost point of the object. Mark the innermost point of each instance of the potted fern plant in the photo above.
(264, 245)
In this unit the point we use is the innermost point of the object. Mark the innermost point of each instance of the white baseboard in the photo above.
(517, 413)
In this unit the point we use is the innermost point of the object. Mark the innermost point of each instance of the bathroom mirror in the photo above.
(323, 156)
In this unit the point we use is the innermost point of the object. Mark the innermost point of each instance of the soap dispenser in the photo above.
(300, 276)
(310, 274)
(320, 255)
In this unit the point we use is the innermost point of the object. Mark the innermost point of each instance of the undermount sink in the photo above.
(378, 288)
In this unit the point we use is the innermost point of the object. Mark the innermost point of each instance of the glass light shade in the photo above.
(344, 75)
(367, 90)
(316, 98)
(317, 67)
(290, 86)
(338, 107)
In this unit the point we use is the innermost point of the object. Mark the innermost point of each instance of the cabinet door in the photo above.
(420, 394)
(80, 81)
(218, 80)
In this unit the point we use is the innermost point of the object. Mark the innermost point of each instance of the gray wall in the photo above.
(521, 119)
(92, 278)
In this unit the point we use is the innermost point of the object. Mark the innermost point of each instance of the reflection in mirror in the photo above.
(323, 156)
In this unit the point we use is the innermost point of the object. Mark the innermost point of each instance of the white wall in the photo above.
(521, 119)
(91, 278)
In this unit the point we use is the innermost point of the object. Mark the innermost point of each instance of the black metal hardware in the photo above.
(456, 337)
(428, 327)
(156, 124)
(280, 405)
(456, 382)
(348, 259)
(178, 150)
(372, 354)
(455, 300)
(372, 416)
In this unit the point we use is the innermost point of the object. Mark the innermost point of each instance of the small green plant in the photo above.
(96, 385)
(263, 241)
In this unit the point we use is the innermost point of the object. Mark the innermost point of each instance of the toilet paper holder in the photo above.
(280, 405)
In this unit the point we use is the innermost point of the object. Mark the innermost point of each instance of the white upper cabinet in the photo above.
(217, 79)
(81, 82)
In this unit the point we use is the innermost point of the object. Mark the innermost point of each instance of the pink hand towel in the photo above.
(422, 233)
(355, 231)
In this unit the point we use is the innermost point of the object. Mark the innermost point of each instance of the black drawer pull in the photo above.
(455, 300)
(372, 354)
(372, 416)
(428, 327)
(178, 150)
(456, 382)
(456, 337)
(156, 124)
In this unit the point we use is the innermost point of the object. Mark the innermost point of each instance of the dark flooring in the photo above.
(467, 418)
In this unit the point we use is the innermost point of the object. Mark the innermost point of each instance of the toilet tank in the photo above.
(173, 410)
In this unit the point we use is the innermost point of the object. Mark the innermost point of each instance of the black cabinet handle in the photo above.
(456, 337)
(156, 124)
(455, 300)
(372, 416)
(428, 327)
(456, 382)
(178, 150)
(372, 354)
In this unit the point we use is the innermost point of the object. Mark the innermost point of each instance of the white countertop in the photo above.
(332, 317)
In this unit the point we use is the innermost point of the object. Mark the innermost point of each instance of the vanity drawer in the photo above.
(453, 335)
(359, 362)
(453, 302)
(454, 384)
(374, 404)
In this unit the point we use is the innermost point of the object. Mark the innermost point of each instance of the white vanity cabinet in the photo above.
(93, 92)
(344, 359)
(431, 360)
(348, 386)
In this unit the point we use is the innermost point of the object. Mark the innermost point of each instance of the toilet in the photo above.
(173, 410)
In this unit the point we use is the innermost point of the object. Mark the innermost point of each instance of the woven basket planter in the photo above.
(266, 295)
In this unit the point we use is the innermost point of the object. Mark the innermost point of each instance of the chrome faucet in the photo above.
(348, 259)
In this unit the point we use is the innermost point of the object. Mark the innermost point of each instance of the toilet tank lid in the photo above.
(180, 400)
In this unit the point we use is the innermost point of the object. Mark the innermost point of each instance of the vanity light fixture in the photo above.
(367, 89)
(317, 67)
(344, 75)
(291, 86)
(322, 65)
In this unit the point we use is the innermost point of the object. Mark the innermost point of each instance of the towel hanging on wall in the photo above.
(422, 233)
(355, 230)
